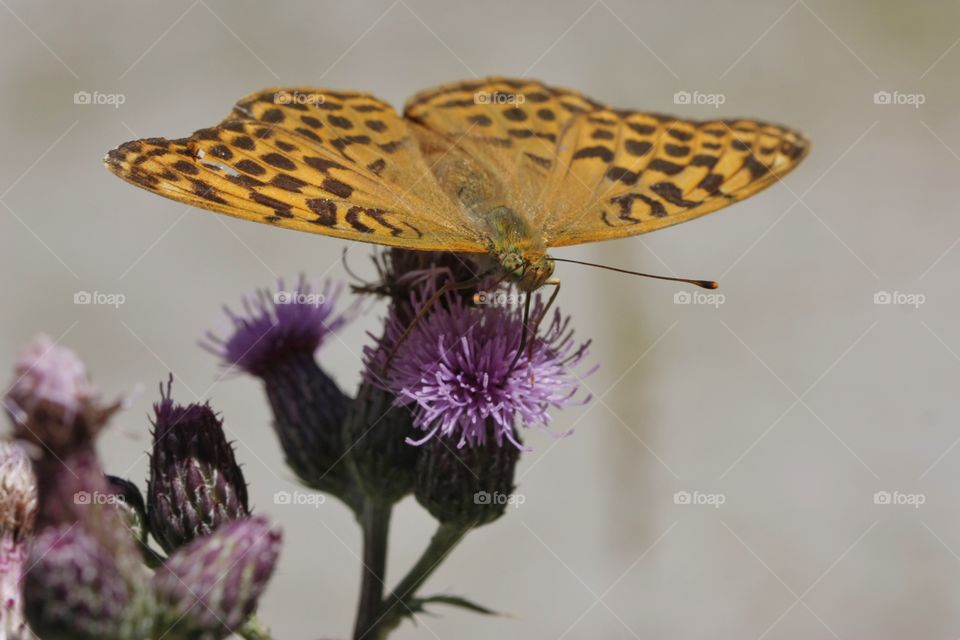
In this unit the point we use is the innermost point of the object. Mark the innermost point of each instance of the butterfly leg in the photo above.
(553, 298)
(448, 287)
(526, 341)
(524, 333)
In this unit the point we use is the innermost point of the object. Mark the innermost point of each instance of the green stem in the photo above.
(398, 602)
(253, 630)
(375, 520)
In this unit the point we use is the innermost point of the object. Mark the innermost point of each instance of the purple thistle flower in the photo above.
(278, 323)
(454, 369)
(275, 339)
(208, 588)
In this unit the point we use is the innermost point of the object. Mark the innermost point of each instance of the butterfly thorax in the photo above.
(520, 251)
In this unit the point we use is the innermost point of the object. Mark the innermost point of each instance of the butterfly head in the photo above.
(530, 271)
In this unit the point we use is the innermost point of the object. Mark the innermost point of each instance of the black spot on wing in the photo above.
(326, 211)
(598, 151)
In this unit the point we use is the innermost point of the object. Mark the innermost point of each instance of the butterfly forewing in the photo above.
(630, 172)
(334, 163)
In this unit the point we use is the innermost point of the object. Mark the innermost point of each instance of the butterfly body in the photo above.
(504, 169)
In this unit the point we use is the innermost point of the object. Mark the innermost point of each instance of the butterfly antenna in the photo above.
(705, 284)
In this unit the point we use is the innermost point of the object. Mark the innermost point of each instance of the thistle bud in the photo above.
(74, 589)
(466, 486)
(18, 492)
(376, 430)
(275, 340)
(208, 588)
(128, 500)
(195, 484)
(18, 507)
(52, 402)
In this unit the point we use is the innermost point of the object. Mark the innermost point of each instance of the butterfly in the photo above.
(501, 168)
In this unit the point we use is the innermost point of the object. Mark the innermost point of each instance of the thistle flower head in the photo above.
(52, 402)
(18, 492)
(48, 372)
(195, 484)
(454, 370)
(74, 588)
(276, 324)
(18, 511)
(275, 339)
(210, 587)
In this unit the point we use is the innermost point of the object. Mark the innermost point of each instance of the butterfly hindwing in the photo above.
(510, 130)
(335, 163)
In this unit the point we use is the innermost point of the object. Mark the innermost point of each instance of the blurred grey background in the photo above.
(793, 403)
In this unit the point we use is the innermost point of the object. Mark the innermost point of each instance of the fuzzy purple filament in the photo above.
(454, 369)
